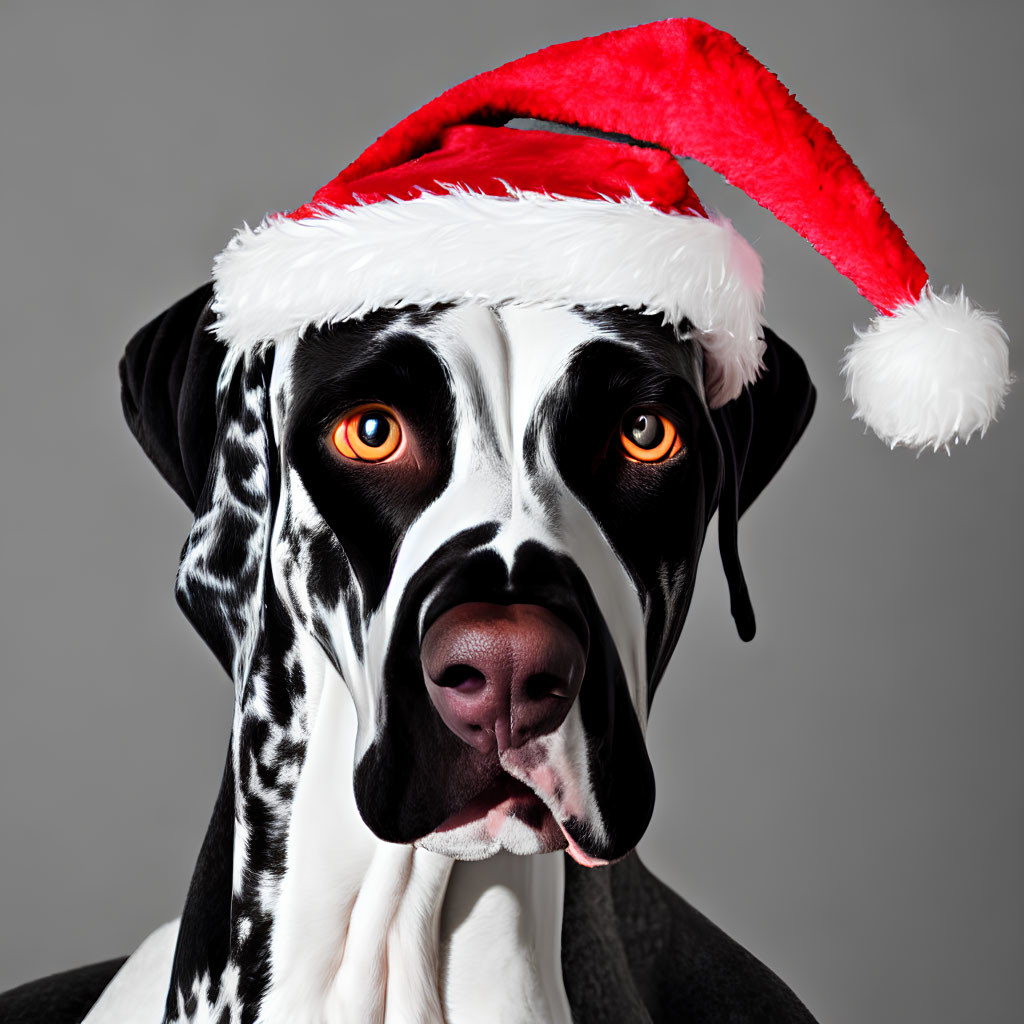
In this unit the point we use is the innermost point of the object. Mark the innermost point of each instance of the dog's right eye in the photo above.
(369, 433)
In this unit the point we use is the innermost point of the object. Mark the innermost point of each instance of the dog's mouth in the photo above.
(508, 797)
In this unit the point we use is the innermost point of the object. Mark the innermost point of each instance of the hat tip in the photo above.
(931, 373)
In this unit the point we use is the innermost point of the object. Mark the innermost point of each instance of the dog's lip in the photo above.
(515, 797)
(510, 794)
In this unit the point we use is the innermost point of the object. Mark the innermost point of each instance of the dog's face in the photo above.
(489, 520)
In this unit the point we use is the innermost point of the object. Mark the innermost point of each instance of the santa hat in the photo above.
(448, 206)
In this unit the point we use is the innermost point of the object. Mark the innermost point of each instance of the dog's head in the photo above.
(486, 520)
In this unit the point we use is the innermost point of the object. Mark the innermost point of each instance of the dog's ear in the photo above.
(222, 574)
(205, 426)
(757, 431)
(168, 391)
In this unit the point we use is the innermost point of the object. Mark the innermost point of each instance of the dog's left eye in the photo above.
(647, 436)
(369, 433)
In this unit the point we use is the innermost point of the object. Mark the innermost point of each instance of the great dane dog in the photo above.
(453, 433)
(445, 554)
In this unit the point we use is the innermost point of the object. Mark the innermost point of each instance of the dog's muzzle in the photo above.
(502, 675)
(507, 719)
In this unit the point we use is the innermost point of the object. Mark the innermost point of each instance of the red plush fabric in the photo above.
(696, 92)
(491, 160)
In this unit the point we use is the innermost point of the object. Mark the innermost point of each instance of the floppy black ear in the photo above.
(168, 391)
(757, 431)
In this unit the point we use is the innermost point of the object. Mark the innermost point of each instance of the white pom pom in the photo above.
(932, 373)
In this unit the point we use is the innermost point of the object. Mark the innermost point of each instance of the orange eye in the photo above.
(647, 436)
(369, 433)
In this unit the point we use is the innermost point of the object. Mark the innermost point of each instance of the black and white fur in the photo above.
(325, 892)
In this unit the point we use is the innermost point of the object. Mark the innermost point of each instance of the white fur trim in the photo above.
(932, 373)
(524, 248)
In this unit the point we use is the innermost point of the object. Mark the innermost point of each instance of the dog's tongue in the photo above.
(583, 859)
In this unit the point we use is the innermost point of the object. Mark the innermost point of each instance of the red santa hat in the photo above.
(448, 206)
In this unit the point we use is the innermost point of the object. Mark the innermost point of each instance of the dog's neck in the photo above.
(330, 924)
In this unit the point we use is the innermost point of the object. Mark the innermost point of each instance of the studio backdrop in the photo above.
(842, 795)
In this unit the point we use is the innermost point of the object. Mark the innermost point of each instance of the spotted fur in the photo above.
(329, 888)
(269, 584)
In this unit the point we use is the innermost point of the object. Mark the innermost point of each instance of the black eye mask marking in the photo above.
(654, 514)
(369, 507)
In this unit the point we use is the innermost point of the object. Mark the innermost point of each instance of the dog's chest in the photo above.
(495, 955)
(501, 941)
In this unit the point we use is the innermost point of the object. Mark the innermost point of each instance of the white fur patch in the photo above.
(501, 930)
(138, 991)
(932, 373)
(524, 248)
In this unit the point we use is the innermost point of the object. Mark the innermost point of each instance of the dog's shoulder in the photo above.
(63, 998)
(639, 946)
(126, 989)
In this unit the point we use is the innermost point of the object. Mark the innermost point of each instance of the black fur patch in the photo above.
(416, 772)
(63, 998)
(654, 515)
(205, 930)
(370, 507)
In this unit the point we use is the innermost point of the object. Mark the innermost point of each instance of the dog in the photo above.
(445, 554)
(453, 432)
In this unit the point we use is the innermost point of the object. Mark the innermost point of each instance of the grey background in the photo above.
(843, 795)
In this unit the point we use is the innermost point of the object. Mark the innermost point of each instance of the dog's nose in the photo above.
(500, 675)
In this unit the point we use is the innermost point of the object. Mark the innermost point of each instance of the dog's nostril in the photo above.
(546, 684)
(464, 678)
